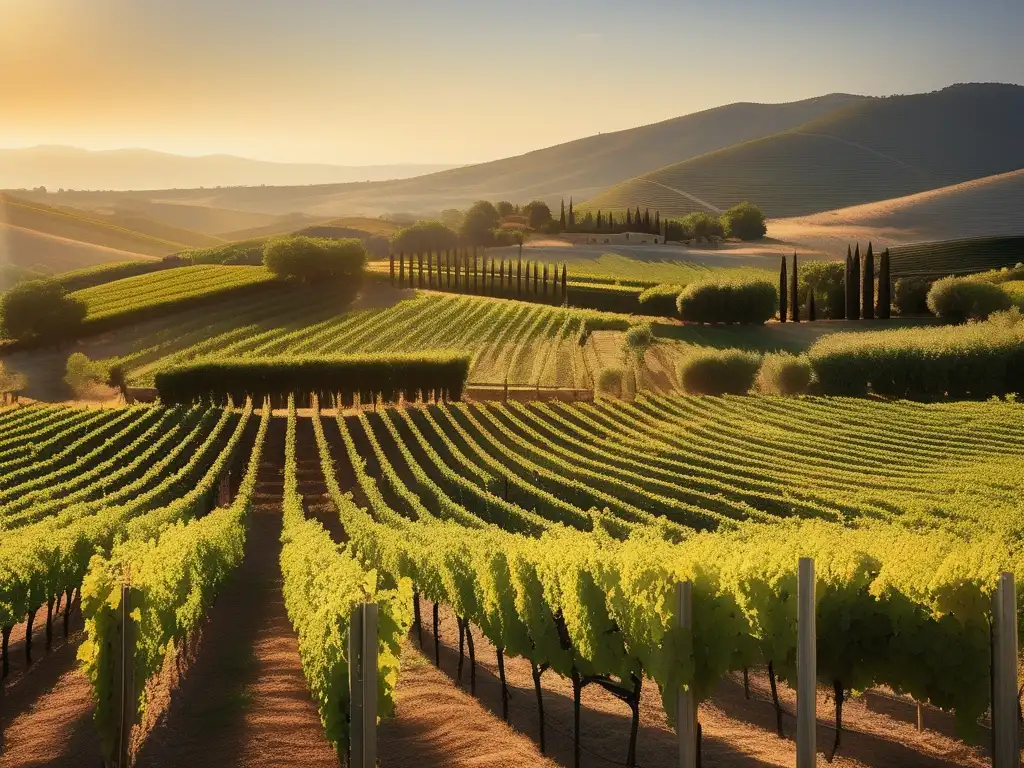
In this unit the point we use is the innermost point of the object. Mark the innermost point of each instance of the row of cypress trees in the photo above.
(464, 271)
(858, 284)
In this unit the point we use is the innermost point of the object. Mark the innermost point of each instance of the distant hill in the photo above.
(578, 168)
(50, 254)
(135, 169)
(872, 150)
(990, 206)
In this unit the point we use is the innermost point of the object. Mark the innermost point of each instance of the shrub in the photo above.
(40, 309)
(314, 259)
(606, 298)
(84, 376)
(370, 376)
(479, 223)
(827, 280)
(701, 224)
(538, 214)
(424, 236)
(976, 360)
(610, 381)
(660, 300)
(964, 298)
(244, 252)
(505, 237)
(728, 301)
(784, 374)
(745, 221)
(1004, 275)
(719, 372)
(638, 339)
(910, 295)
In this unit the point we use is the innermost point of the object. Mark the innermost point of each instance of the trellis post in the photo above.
(1006, 736)
(807, 663)
(362, 668)
(686, 703)
(123, 689)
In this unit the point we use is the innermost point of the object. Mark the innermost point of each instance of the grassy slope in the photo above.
(579, 168)
(873, 150)
(987, 206)
(51, 254)
(957, 256)
(81, 226)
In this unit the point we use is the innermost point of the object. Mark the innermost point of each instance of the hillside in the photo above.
(74, 168)
(875, 149)
(578, 168)
(987, 206)
(51, 254)
(84, 227)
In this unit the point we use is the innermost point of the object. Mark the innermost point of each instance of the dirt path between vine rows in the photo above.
(737, 732)
(46, 707)
(244, 700)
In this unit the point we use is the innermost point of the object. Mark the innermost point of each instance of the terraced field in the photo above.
(952, 257)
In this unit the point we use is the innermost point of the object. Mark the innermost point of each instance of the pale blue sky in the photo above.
(447, 81)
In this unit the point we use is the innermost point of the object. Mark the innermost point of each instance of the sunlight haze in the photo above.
(454, 82)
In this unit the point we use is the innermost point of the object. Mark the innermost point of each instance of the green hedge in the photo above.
(719, 372)
(728, 301)
(973, 361)
(660, 300)
(440, 375)
(965, 298)
(606, 298)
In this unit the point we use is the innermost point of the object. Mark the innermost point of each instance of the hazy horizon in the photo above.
(455, 82)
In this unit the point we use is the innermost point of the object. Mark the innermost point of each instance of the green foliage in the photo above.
(719, 371)
(538, 214)
(504, 208)
(369, 376)
(701, 224)
(826, 279)
(479, 223)
(1004, 275)
(728, 301)
(910, 295)
(610, 380)
(424, 236)
(745, 221)
(83, 375)
(639, 338)
(660, 300)
(972, 361)
(314, 260)
(243, 252)
(40, 310)
(964, 298)
(784, 374)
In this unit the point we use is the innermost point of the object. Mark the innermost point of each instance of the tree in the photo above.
(783, 287)
(744, 221)
(519, 276)
(794, 293)
(811, 315)
(647, 220)
(638, 219)
(538, 214)
(545, 280)
(391, 260)
(599, 218)
(884, 287)
(855, 283)
(572, 217)
(425, 235)
(479, 224)
(561, 219)
(565, 289)
(452, 218)
(868, 291)
(848, 285)
(657, 222)
(629, 219)
(41, 309)
(313, 259)
(505, 208)
(419, 276)
(701, 224)
(536, 278)
(401, 269)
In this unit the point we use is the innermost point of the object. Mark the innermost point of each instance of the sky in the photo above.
(453, 81)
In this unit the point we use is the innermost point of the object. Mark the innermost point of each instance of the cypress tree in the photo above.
(572, 217)
(598, 221)
(657, 222)
(783, 291)
(847, 287)
(430, 269)
(629, 218)
(419, 271)
(448, 267)
(476, 272)
(565, 286)
(501, 276)
(810, 307)
(561, 219)
(519, 278)
(868, 292)
(492, 276)
(401, 269)
(638, 219)
(536, 279)
(884, 287)
(855, 283)
(611, 221)
(794, 293)
(545, 280)
(647, 220)
(391, 260)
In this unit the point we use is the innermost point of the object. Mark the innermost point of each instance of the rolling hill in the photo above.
(74, 168)
(578, 168)
(990, 206)
(872, 150)
(52, 254)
